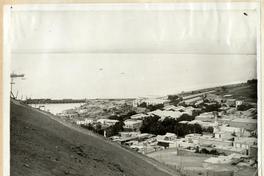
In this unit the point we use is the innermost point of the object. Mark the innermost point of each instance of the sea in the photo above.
(56, 108)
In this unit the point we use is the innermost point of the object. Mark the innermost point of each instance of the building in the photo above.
(128, 134)
(174, 108)
(210, 141)
(227, 132)
(253, 152)
(85, 122)
(83, 111)
(140, 116)
(203, 124)
(206, 117)
(239, 102)
(223, 135)
(167, 140)
(229, 150)
(203, 94)
(228, 129)
(190, 110)
(133, 125)
(231, 102)
(214, 98)
(246, 123)
(149, 101)
(192, 101)
(184, 143)
(244, 143)
(164, 114)
(107, 122)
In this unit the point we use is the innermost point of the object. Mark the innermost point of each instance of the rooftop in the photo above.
(244, 120)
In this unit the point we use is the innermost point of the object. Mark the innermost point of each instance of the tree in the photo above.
(244, 107)
(122, 117)
(185, 117)
(115, 129)
(143, 105)
(149, 124)
(212, 107)
(208, 129)
(174, 99)
(155, 107)
(252, 81)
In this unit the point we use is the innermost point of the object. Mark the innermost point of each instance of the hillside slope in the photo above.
(43, 146)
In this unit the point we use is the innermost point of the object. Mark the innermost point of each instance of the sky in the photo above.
(130, 53)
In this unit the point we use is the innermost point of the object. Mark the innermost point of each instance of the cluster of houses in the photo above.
(233, 131)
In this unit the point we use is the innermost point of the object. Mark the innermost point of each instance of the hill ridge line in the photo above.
(160, 166)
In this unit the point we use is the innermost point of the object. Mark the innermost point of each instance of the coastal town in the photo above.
(203, 132)
(132, 89)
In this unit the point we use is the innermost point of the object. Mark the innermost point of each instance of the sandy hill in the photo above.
(41, 145)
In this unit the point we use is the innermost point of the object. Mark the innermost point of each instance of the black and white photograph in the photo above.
(132, 89)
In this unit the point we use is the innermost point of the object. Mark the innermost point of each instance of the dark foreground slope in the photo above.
(42, 146)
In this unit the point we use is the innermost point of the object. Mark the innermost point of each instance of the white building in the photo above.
(247, 123)
(149, 101)
(206, 117)
(244, 142)
(85, 122)
(167, 140)
(133, 124)
(174, 108)
(164, 114)
(140, 116)
(203, 124)
(239, 102)
(107, 122)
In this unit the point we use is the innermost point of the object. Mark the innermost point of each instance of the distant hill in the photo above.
(44, 146)
(246, 91)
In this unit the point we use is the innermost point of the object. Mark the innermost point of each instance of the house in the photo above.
(228, 129)
(245, 143)
(174, 108)
(149, 101)
(190, 140)
(206, 117)
(199, 102)
(203, 94)
(133, 125)
(211, 141)
(239, 102)
(223, 135)
(183, 122)
(128, 134)
(164, 114)
(169, 108)
(192, 101)
(71, 115)
(140, 116)
(227, 96)
(215, 98)
(83, 111)
(253, 152)
(227, 133)
(186, 143)
(231, 102)
(107, 122)
(246, 123)
(203, 124)
(85, 122)
(167, 140)
(189, 110)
